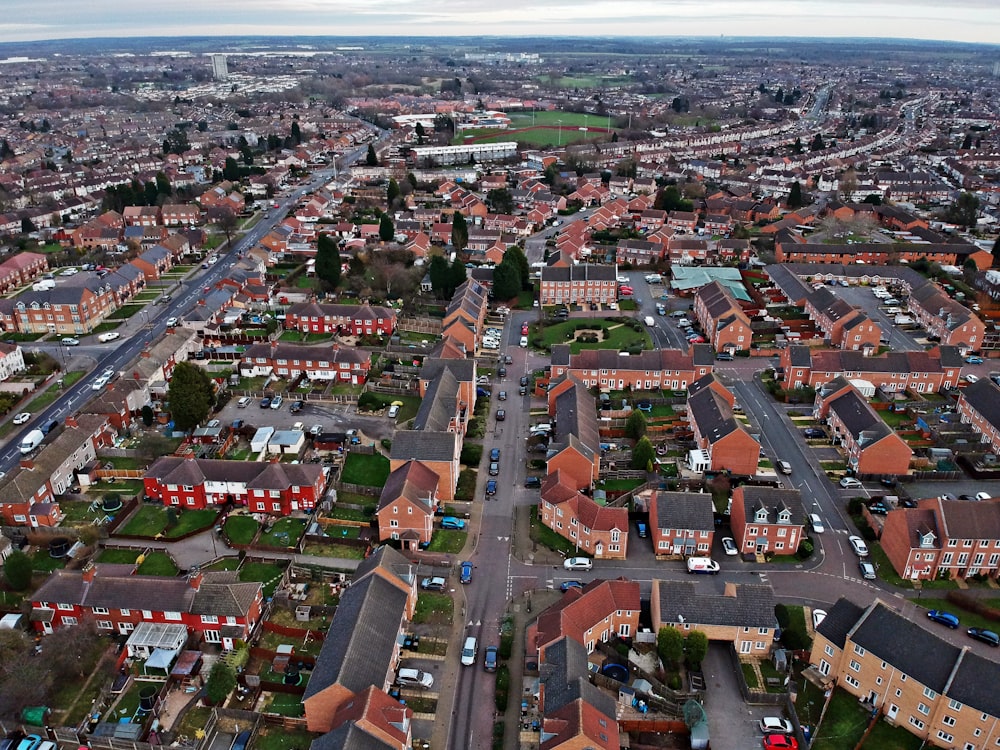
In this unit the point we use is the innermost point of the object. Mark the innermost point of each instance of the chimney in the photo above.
(89, 571)
(71, 422)
(194, 580)
(27, 463)
(730, 590)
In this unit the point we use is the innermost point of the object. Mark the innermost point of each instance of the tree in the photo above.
(635, 425)
(670, 646)
(817, 143)
(176, 142)
(848, 184)
(386, 229)
(515, 257)
(500, 200)
(226, 220)
(456, 275)
(506, 282)
(967, 143)
(296, 133)
(643, 454)
(231, 171)
(440, 279)
(220, 683)
(147, 415)
(17, 570)
(27, 225)
(371, 159)
(965, 210)
(696, 645)
(190, 395)
(995, 252)
(421, 133)
(795, 195)
(459, 232)
(328, 262)
(392, 191)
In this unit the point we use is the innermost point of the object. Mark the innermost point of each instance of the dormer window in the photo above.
(761, 515)
(785, 516)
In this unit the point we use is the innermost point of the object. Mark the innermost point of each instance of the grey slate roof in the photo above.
(565, 677)
(710, 411)
(984, 397)
(684, 510)
(774, 500)
(579, 272)
(348, 736)
(461, 369)
(359, 648)
(909, 647)
(859, 418)
(752, 607)
(840, 618)
(975, 683)
(423, 445)
(439, 405)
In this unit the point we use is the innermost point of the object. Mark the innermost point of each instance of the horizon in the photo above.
(963, 21)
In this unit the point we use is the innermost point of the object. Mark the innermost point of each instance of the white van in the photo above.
(469, 651)
(702, 565)
(649, 321)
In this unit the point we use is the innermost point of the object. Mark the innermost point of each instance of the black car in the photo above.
(508, 360)
(524, 380)
(296, 407)
(533, 482)
(494, 469)
(501, 415)
(502, 372)
(814, 432)
(986, 636)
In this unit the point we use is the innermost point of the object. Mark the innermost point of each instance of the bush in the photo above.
(220, 683)
(854, 506)
(805, 550)
(782, 616)
(369, 401)
(466, 488)
(795, 638)
(502, 688)
(472, 454)
(17, 570)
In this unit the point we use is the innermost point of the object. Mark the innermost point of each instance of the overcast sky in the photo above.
(955, 20)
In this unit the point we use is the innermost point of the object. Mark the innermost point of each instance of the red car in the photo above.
(780, 742)
(524, 329)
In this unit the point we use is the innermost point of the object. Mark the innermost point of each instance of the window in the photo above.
(923, 708)
(944, 736)
(916, 722)
(928, 693)
(210, 619)
(855, 666)
(828, 650)
(948, 721)
(954, 705)
(65, 606)
(69, 621)
(100, 610)
(859, 650)
(105, 624)
(849, 679)
(171, 615)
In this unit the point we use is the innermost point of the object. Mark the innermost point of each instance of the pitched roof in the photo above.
(423, 445)
(686, 602)
(580, 609)
(564, 675)
(684, 510)
(959, 519)
(861, 421)
(839, 620)
(975, 683)
(984, 397)
(413, 481)
(774, 501)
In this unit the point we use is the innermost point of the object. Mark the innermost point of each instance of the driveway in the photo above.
(731, 722)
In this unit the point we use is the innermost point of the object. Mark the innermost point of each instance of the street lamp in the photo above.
(560, 132)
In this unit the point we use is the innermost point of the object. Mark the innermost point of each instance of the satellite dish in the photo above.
(680, 619)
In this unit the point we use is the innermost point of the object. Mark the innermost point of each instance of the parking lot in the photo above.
(900, 339)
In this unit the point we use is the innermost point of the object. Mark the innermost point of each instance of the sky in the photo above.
(948, 20)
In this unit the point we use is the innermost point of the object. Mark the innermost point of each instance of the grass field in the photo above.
(241, 529)
(539, 136)
(569, 119)
(968, 619)
(447, 540)
(151, 520)
(284, 533)
(369, 470)
(620, 335)
(266, 573)
(158, 564)
(433, 607)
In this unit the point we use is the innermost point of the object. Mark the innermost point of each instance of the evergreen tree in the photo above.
(456, 275)
(795, 195)
(328, 260)
(190, 396)
(296, 133)
(459, 232)
(516, 258)
(386, 229)
(817, 143)
(643, 454)
(372, 159)
(440, 275)
(232, 170)
(392, 191)
(506, 283)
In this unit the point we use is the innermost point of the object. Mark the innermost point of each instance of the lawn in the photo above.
(42, 562)
(127, 487)
(432, 607)
(127, 311)
(266, 573)
(277, 738)
(158, 564)
(241, 529)
(569, 119)
(447, 540)
(620, 485)
(120, 556)
(619, 335)
(151, 521)
(308, 338)
(895, 419)
(284, 533)
(106, 326)
(545, 536)
(843, 724)
(125, 462)
(286, 705)
(368, 470)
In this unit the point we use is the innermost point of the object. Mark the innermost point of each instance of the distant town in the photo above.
(412, 394)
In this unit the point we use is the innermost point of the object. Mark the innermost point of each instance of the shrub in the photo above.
(17, 570)
(782, 616)
(369, 401)
(502, 688)
(854, 506)
(805, 549)
(472, 454)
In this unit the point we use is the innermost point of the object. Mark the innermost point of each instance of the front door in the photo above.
(893, 710)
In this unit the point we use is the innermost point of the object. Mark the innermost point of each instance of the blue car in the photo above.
(491, 487)
(466, 576)
(450, 522)
(973, 360)
(567, 585)
(945, 618)
(495, 454)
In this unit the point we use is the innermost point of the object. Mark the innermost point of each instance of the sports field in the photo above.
(545, 130)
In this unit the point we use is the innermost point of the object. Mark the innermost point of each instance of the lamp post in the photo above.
(560, 132)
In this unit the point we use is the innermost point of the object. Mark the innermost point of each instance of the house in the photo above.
(214, 606)
(944, 539)
(407, 504)
(845, 325)
(920, 371)
(154, 262)
(369, 720)
(597, 530)
(653, 370)
(348, 320)
(681, 524)
(11, 361)
(722, 318)
(872, 447)
(120, 402)
(743, 614)
(180, 215)
(69, 308)
(904, 670)
(263, 487)
(947, 318)
(767, 520)
(141, 216)
(575, 713)
(979, 406)
(575, 446)
(316, 362)
(590, 615)
(361, 647)
(19, 269)
(583, 283)
(722, 442)
(156, 363)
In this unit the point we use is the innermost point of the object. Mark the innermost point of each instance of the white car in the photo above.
(171, 322)
(578, 563)
(69, 272)
(729, 545)
(393, 411)
(415, 678)
(776, 725)
(983, 496)
(244, 402)
(22, 417)
(858, 546)
(70, 342)
(816, 523)
(850, 483)
(276, 402)
(99, 383)
(623, 279)
(109, 336)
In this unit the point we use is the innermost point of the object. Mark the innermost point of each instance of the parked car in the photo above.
(22, 417)
(415, 678)
(776, 725)
(567, 585)
(494, 454)
(729, 545)
(502, 395)
(724, 357)
(986, 636)
(780, 742)
(858, 546)
(437, 583)
(532, 482)
(784, 467)
(578, 563)
(393, 411)
(296, 407)
(494, 469)
(983, 496)
(490, 658)
(466, 574)
(641, 529)
(816, 523)
(276, 402)
(943, 618)
(813, 433)
(524, 380)
(265, 403)
(973, 360)
(450, 522)
(704, 565)
(867, 570)
(501, 415)
(244, 402)
(850, 483)
(491, 487)
(70, 341)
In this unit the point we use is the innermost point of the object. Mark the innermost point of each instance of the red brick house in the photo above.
(979, 406)
(407, 504)
(723, 442)
(317, 362)
(598, 531)
(722, 318)
(578, 284)
(180, 215)
(575, 446)
(872, 447)
(917, 371)
(263, 487)
(948, 319)
(767, 520)
(681, 524)
(845, 325)
(349, 320)
(22, 268)
(215, 607)
(653, 370)
(596, 613)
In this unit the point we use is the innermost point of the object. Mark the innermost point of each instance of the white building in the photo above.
(11, 361)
